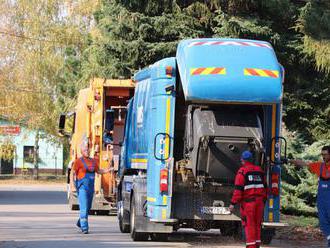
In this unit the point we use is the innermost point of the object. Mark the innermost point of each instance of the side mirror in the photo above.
(61, 125)
(66, 124)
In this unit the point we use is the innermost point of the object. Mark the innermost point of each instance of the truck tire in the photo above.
(71, 201)
(240, 233)
(74, 206)
(228, 228)
(267, 235)
(124, 228)
(161, 237)
(136, 236)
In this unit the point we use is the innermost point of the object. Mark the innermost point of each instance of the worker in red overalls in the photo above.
(250, 193)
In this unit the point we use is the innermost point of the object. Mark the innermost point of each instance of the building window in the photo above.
(28, 154)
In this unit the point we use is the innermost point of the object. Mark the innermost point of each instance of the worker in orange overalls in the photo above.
(250, 193)
(322, 170)
(83, 171)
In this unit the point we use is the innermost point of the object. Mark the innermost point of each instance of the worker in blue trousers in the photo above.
(322, 170)
(82, 179)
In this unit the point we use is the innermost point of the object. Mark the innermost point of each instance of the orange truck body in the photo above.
(89, 124)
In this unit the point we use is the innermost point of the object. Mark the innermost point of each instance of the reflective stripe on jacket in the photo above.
(250, 182)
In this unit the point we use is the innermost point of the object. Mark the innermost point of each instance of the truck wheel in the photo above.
(71, 201)
(124, 228)
(136, 236)
(228, 228)
(267, 236)
(161, 237)
(74, 207)
(240, 233)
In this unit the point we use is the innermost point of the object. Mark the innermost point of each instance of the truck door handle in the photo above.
(162, 143)
(277, 155)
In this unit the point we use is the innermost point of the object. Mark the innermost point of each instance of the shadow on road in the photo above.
(32, 197)
(79, 244)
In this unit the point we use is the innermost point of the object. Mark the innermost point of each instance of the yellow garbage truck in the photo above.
(99, 117)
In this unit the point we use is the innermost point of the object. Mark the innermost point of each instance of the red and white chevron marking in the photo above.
(229, 43)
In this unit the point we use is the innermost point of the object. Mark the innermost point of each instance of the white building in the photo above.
(50, 150)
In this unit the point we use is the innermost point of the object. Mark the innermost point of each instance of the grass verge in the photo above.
(300, 228)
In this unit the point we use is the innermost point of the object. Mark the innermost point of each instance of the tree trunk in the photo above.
(36, 156)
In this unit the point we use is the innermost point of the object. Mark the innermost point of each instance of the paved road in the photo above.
(36, 216)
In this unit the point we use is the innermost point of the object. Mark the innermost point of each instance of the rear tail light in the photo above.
(163, 180)
(275, 184)
(169, 71)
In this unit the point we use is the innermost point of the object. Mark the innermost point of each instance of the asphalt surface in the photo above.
(37, 216)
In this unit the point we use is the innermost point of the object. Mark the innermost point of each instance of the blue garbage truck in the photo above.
(190, 119)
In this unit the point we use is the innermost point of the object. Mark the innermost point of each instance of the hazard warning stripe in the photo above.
(208, 71)
(261, 72)
(230, 43)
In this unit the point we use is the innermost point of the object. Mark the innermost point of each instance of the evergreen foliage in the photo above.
(133, 34)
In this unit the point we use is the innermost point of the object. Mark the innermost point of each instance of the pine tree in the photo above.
(134, 34)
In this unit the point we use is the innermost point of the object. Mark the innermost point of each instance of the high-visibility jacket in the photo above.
(250, 182)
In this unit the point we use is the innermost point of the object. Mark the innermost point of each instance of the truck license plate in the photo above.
(215, 210)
